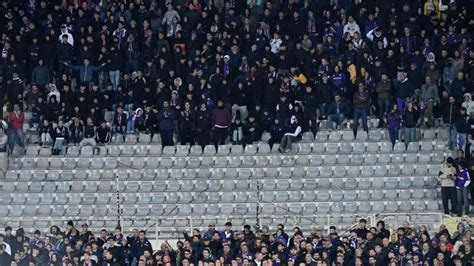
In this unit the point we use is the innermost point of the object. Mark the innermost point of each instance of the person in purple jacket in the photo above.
(166, 118)
(463, 179)
(393, 123)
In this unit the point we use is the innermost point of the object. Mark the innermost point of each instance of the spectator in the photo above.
(187, 124)
(16, 118)
(393, 123)
(293, 135)
(140, 246)
(404, 90)
(384, 90)
(450, 112)
(166, 118)
(221, 119)
(45, 133)
(89, 134)
(462, 127)
(336, 112)
(463, 180)
(103, 133)
(410, 120)
(251, 130)
(236, 131)
(428, 99)
(76, 130)
(203, 125)
(276, 132)
(40, 75)
(86, 71)
(447, 177)
(120, 121)
(468, 104)
(3, 146)
(361, 108)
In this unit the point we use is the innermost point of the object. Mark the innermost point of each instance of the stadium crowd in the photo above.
(407, 245)
(208, 70)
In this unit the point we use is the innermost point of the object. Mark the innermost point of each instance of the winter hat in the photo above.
(70, 223)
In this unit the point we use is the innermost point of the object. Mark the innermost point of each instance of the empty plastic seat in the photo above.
(335, 136)
(321, 136)
(87, 152)
(426, 146)
(332, 148)
(385, 147)
(304, 148)
(130, 139)
(237, 149)
(250, 149)
(345, 148)
(413, 147)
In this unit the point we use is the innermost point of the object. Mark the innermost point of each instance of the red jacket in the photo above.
(16, 120)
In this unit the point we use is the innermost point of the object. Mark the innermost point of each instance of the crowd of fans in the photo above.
(206, 71)
(374, 246)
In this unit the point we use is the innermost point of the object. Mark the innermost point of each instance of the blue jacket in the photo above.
(166, 119)
(86, 73)
(139, 247)
(343, 108)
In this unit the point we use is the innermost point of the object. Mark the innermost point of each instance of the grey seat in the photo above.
(87, 152)
(249, 149)
(321, 136)
(181, 150)
(237, 149)
(155, 150)
(336, 195)
(413, 147)
(223, 149)
(345, 148)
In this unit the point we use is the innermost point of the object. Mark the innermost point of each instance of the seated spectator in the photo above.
(45, 132)
(103, 133)
(76, 129)
(120, 121)
(293, 135)
(89, 134)
(60, 136)
(336, 112)
(276, 132)
(251, 130)
(236, 131)
(135, 120)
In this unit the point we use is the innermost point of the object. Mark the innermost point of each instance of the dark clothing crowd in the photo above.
(379, 246)
(162, 67)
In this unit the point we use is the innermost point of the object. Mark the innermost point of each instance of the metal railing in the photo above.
(157, 228)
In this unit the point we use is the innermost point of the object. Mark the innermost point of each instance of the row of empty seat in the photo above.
(267, 195)
(321, 172)
(155, 210)
(115, 150)
(221, 162)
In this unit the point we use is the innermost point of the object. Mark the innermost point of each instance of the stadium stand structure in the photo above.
(330, 179)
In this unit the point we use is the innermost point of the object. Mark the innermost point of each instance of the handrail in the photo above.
(371, 219)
